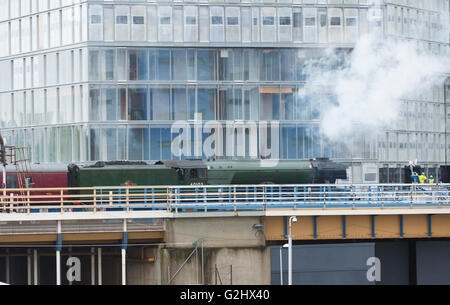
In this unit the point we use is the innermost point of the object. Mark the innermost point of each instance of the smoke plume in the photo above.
(368, 83)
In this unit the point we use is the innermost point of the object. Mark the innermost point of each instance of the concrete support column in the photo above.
(99, 265)
(92, 266)
(124, 253)
(58, 255)
(35, 266)
(58, 267)
(124, 266)
(7, 263)
(28, 267)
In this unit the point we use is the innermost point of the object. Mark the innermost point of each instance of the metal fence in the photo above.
(223, 197)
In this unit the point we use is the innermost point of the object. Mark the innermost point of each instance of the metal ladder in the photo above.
(17, 157)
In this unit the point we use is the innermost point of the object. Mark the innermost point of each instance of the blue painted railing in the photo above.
(224, 197)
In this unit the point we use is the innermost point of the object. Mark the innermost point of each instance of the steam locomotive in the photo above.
(181, 172)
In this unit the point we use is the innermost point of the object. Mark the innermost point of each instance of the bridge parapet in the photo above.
(172, 201)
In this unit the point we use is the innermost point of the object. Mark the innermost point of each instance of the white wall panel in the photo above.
(95, 22)
(284, 24)
(350, 25)
(268, 20)
(335, 33)
(138, 23)
(309, 24)
(233, 24)
(165, 23)
(122, 21)
(190, 23)
(217, 28)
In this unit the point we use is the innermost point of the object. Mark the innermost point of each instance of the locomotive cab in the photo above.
(190, 172)
(327, 171)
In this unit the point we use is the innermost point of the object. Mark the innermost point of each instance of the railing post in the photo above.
(11, 203)
(128, 199)
(28, 202)
(264, 197)
(95, 200)
(169, 199)
(295, 197)
(110, 198)
(353, 196)
(62, 201)
(234, 198)
(204, 199)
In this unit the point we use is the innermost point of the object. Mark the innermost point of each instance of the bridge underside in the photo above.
(359, 227)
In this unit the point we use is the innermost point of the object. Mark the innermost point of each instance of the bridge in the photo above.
(215, 216)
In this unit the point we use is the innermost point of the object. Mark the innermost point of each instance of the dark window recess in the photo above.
(335, 21)
(255, 21)
(202, 173)
(310, 21)
(350, 22)
(323, 20)
(121, 19)
(164, 20)
(11, 182)
(297, 20)
(285, 20)
(216, 20)
(268, 20)
(232, 20)
(138, 19)
(198, 173)
(96, 19)
(191, 20)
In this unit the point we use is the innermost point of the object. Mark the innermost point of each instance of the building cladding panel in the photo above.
(105, 80)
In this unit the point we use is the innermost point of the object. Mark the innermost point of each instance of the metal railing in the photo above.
(222, 197)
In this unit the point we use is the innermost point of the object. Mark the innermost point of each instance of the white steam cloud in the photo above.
(369, 83)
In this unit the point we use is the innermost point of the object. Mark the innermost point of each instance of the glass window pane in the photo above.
(160, 101)
(138, 144)
(93, 65)
(137, 104)
(111, 104)
(206, 101)
(163, 62)
(206, 65)
(109, 64)
(66, 143)
(179, 65)
(270, 103)
(94, 105)
(180, 106)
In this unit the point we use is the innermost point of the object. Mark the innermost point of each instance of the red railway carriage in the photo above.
(40, 176)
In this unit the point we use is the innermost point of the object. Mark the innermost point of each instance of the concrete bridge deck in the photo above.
(231, 223)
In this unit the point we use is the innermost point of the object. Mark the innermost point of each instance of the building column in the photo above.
(58, 255)
(124, 253)
(99, 265)
(28, 267)
(7, 263)
(35, 266)
(92, 266)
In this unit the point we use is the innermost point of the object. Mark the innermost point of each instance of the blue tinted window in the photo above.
(216, 20)
(121, 19)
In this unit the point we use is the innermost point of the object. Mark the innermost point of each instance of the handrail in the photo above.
(222, 197)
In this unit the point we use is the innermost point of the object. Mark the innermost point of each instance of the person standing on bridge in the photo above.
(415, 177)
(431, 179)
(422, 178)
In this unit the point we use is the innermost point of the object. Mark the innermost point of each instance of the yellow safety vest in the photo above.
(431, 180)
(422, 178)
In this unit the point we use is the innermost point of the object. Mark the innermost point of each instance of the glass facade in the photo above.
(106, 80)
